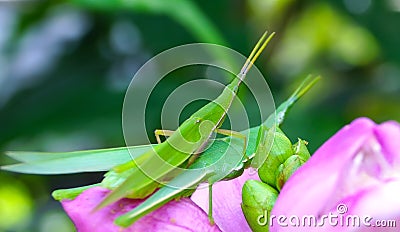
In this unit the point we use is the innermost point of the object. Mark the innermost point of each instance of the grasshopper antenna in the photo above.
(255, 53)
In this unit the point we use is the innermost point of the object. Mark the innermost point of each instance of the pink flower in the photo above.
(182, 215)
(354, 176)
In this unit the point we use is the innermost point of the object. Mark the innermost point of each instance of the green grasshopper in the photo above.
(182, 145)
(104, 159)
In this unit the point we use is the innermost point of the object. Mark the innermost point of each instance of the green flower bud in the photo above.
(286, 169)
(300, 149)
(258, 199)
(280, 151)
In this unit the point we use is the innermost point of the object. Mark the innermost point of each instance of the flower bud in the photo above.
(286, 169)
(258, 199)
(280, 151)
(300, 149)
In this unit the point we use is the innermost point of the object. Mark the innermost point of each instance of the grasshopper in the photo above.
(183, 145)
(103, 159)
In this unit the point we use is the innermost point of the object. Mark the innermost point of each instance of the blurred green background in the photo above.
(65, 66)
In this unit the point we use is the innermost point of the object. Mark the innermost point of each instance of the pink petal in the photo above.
(311, 185)
(182, 215)
(227, 198)
(388, 135)
(381, 203)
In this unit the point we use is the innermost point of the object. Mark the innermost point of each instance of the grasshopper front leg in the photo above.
(165, 133)
(234, 134)
(210, 204)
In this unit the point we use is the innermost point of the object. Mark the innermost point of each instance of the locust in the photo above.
(104, 159)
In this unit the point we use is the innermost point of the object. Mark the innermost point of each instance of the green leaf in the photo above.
(72, 162)
(187, 13)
